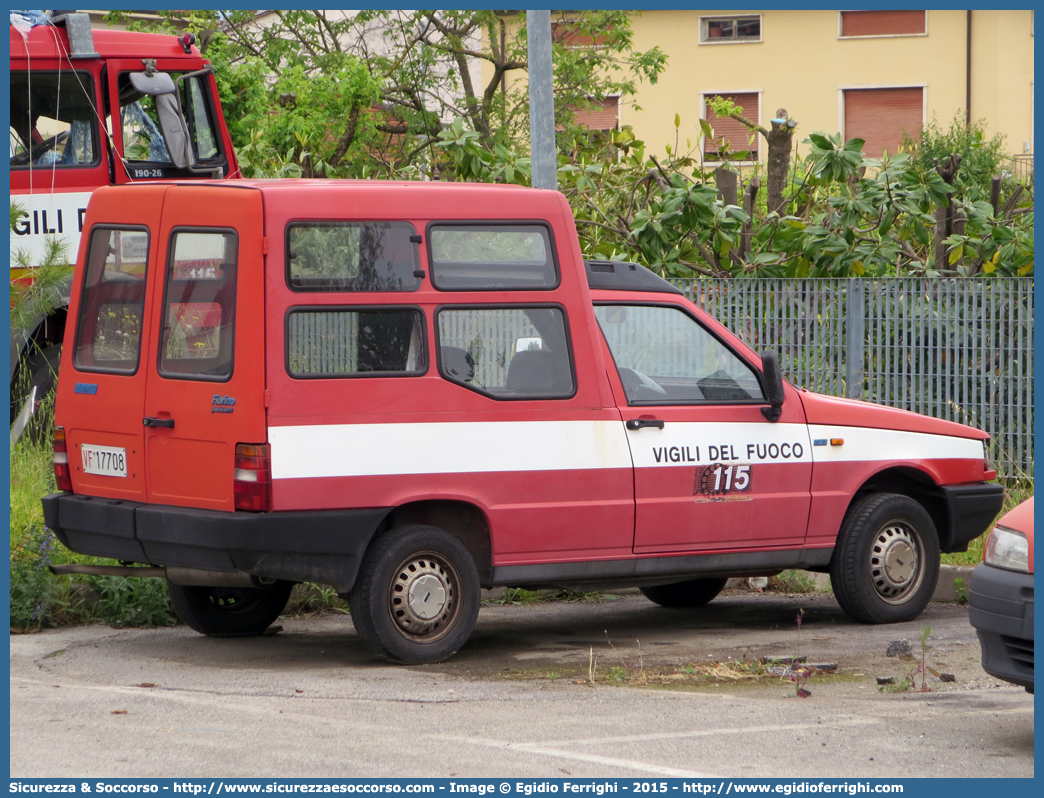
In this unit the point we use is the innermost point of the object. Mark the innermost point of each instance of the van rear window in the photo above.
(348, 342)
(199, 305)
(352, 256)
(492, 257)
(108, 333)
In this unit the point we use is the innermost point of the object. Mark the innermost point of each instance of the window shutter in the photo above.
(882, 23)
(880, 116)
(602, 114)
(728, 129)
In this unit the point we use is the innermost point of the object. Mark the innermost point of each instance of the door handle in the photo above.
(638, 423)
(149, 421)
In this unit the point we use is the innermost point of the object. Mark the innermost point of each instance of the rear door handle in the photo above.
(149, 421)
(638, 423)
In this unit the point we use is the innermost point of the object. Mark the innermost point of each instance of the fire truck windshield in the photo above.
(51, 116)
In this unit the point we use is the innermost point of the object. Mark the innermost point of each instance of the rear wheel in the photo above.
(40, 371)
(229, 611)
(692, 593)
(886, 563)
(416, 599)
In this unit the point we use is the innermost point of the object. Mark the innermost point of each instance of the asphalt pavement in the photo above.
(615, 687)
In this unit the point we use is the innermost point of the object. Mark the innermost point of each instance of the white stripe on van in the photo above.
(867, 443)
(344, 450)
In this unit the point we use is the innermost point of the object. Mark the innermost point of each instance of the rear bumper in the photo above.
(1001, 610)
(970, 510)
(322, 546)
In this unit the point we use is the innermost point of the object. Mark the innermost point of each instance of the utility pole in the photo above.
(541, 101)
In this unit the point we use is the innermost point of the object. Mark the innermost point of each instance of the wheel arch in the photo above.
(464, 520)
(916, 483)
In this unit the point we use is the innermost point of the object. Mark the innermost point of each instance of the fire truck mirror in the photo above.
(154, 85)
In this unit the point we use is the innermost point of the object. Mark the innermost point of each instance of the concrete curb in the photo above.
(945, 591)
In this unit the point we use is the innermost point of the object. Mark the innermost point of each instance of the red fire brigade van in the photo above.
(411, 390)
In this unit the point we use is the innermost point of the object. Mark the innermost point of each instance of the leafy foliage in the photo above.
(367, 93)
(39, 296)
(846, 215)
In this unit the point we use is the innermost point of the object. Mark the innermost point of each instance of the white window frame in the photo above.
(704, 39)
(841, 121)
(841, 24)
(703, 115)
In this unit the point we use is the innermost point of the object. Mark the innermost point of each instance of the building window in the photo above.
(600, 115)
(883, 23)
(727, 30)
(881, 116)
(569, 33)
(732, 139)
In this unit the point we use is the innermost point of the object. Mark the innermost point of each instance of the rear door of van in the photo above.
(101, 392)
(205, 379)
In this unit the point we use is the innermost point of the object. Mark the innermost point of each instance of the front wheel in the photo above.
(416, 599)
(886, 563)
(229, 611)
(692, 593)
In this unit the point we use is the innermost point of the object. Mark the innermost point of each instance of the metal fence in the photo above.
(958, 349)
(1022, 167)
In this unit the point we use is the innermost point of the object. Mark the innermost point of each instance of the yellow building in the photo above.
(866, 74)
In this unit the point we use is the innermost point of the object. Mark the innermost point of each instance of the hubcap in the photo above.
(895, 562)
(423, 596)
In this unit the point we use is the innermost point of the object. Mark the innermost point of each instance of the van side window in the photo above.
(507, 352)
(492, 257)
(350, 342)
(352, 256)
(665, 357)
(199, 305)
(108, 333)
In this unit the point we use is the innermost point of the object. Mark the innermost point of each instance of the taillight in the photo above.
(252, 487)
(61, 461)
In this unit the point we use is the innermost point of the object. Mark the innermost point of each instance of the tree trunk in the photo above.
(727, 187)
(780, 141)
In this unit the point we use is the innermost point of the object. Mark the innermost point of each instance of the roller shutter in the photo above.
(882, 23)
(735, 133)
(601, 115)
(879, 116)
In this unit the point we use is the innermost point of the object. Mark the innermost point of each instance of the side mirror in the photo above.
(773, 386)
(154, 85)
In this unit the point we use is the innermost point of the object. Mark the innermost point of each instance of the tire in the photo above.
(229, 611)
(432, 568)
(886, 562)
(692, 593)
(40, 371)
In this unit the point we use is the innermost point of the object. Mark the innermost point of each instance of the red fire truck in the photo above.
(93, 108)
